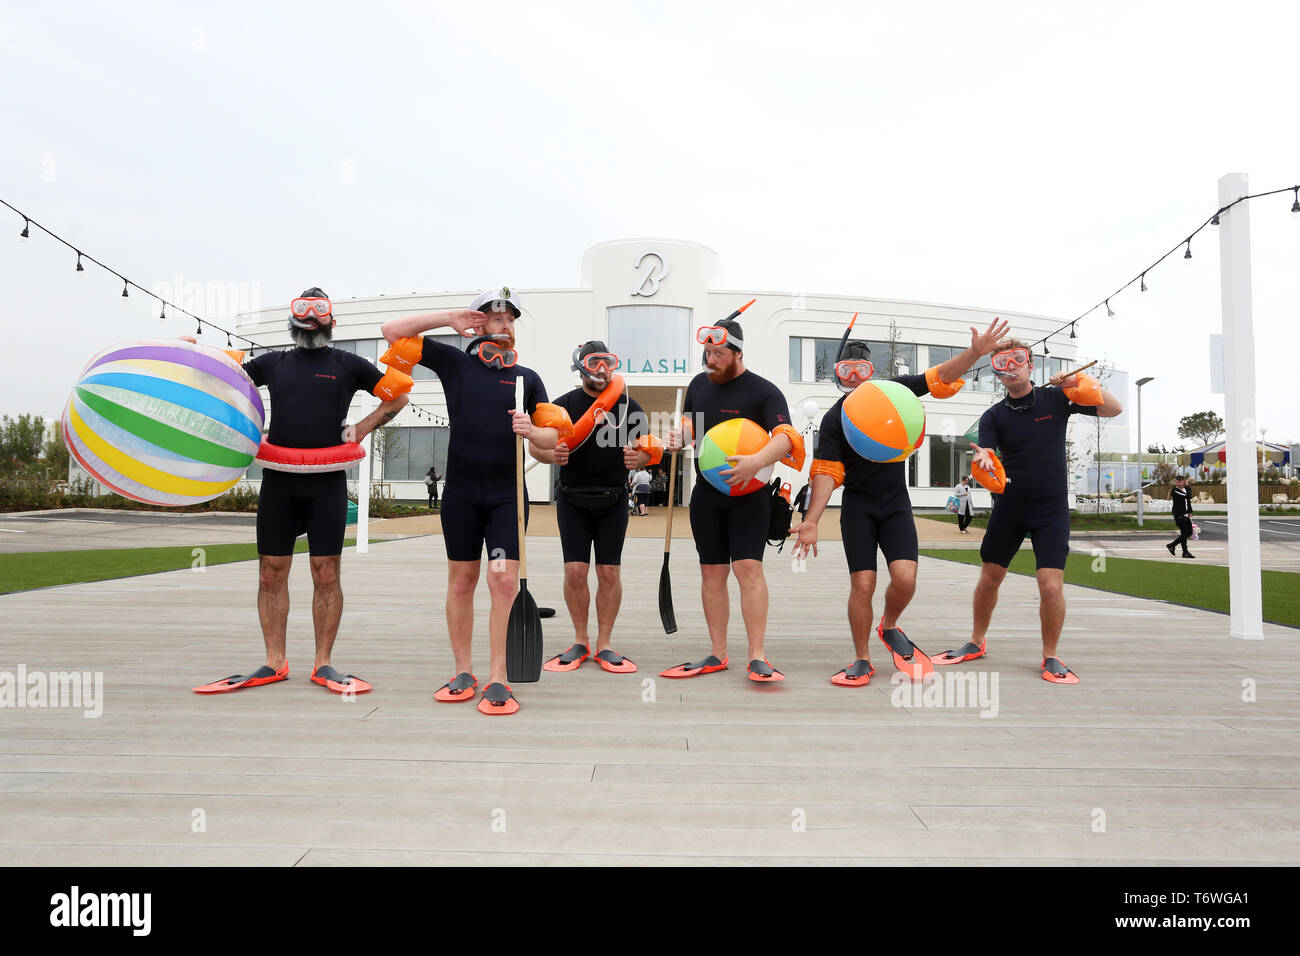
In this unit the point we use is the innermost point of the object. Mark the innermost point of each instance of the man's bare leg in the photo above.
(753, 603)
(862, 586)
(986, 599)
(326, 604)
(609, 596)
(273, 604)
(577, 595)
(503, 585)
(717, 605)
(1051, 607)
(899, 594)
(462, 580)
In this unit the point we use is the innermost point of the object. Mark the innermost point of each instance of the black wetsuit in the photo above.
(478, 496)
(590, 506)
(728, 528)
(1029, 436)
(311, 391)
(875, 510)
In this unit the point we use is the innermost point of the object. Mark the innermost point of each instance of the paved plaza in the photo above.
(1155, 758)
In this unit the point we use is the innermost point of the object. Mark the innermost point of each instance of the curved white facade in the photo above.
(645, 298)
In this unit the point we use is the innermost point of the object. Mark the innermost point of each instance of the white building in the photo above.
(645, 298)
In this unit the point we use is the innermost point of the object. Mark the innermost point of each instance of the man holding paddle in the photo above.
(1028, 428)
(479, 497)
(731, 530)
(610, 437)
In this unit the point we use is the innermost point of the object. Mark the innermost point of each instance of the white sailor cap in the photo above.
(491, 301)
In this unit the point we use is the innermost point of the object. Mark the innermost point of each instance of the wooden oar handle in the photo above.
(1081, 368)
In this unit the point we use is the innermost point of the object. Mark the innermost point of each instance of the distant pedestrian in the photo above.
(965, 511)
(641, 484)
(1181, 496)
(431, 479)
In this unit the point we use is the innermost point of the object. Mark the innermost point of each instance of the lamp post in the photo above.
(1141, 493)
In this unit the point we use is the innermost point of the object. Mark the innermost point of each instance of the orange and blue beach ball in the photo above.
(883, 421)
(735, 436)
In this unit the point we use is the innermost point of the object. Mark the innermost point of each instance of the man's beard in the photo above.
(313, 339)
(721, 377)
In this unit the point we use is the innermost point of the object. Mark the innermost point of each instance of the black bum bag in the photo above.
(593, 499)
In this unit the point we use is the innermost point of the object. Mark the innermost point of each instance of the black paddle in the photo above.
(524, 629)
(665, 585)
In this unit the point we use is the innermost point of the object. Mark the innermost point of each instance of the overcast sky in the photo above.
(1027, 157)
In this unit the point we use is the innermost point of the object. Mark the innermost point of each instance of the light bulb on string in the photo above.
(1072, 335)
(162, 313)
(1215, 220)
(1295, 206)
(1110, 313)
(229, 344)
(80, 267)
(125, 294)
(26, 232)
(198, 330)
(1143, 286)
(1188, 253)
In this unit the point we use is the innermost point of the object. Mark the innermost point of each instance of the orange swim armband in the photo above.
(547, 415)
(939, 388)
(1087, 391)
(796, 456)
(652, 446)
(831, 469)
(404, 354)
(392, 385)
(995, 480)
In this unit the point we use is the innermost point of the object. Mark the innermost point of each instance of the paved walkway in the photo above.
(1158, 752)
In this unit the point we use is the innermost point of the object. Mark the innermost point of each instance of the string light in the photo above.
(1110, 313)
(199, 329)
(1188, 253)
(1143, 287)
(1295, 206)
(1072, 335)
(125, 294)
(80, 267)
(26, 232)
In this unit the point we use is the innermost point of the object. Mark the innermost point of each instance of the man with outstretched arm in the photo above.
(304, 485)
(610, 437)
(876, 511)
(478, 497)
(1021, 458)
(731, 530)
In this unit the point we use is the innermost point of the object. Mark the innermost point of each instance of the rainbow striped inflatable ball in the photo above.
(735, 436)
(883, 421)
(164, 422)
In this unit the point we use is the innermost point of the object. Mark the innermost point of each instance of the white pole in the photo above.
(363, 497)
(1141, 490)
(1245, 600)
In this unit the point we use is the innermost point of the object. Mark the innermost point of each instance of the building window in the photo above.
(824, 354)
(950, 458)
(651, 339)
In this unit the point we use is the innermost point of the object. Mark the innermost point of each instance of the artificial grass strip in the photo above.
(26, 571)
(1197, 585)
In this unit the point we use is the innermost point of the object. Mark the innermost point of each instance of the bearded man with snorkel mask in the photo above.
(478, 498)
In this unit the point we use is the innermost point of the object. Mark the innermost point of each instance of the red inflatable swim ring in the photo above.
(306, 461)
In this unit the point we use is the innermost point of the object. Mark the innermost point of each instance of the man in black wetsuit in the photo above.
(1181, 497)
(731, 530)
(589, 507)
(876, 510)
(478, 497)
(1028, 428)
(311, 389)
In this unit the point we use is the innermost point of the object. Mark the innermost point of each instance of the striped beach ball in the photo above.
(163, 421)
(735, 436)
(883, 421)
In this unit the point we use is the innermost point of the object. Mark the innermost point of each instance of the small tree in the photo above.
(388, 444)
(895, 338)
(1203, 427)
(56, 452)
(22, 438)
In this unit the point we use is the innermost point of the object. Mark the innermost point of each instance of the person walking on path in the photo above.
(1181, 496)
(965, 511)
